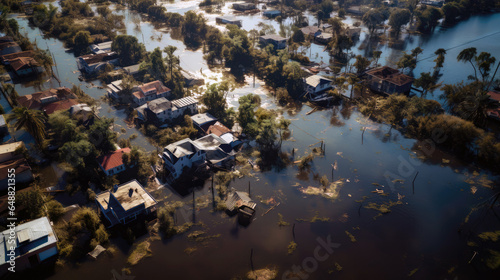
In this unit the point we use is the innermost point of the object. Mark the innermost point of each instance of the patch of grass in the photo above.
(281, 222)
(263, 274)
(196, 234)
(490, 235)
(353, 239)
(493, 261)
(412, 272)
(337, 266)
(292, 247)
(140, 252)
(190, 250)
(383, 208)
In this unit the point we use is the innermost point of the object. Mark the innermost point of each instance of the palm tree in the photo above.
(467, 55)
(45, 59)
(31, 120)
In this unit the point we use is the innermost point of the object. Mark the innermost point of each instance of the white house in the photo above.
(112, 163)
(93, 63)
(35, 242)
(182, 154)
(314, 85)
(150, 91)
(163, 110)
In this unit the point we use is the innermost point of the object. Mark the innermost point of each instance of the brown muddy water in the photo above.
(423, 232)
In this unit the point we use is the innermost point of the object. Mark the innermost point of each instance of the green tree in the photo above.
(32, 201)
(467, 55)
(128, 49)
(76, 153)
(298, 36)
(215, 100)
(158, 69)
(426, 82)
(376, 56)
(171, 59)
(361, 63)
(440, 58)
(81, 43)
(55, 210)
(372, 19)
(31, 120)
(407, 61)
(398, 18)
(101, 135)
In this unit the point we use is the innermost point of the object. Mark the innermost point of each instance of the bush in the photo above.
(55, 210)
(166, 222)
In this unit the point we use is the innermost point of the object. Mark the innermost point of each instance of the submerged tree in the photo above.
(440, 58)
(397, 19)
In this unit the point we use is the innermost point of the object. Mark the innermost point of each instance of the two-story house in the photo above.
(150, 91)
(180, 155)
(125, 203)
(162, 110)
(388, 80)
(316, 85)
(93, 63)
(276, 40)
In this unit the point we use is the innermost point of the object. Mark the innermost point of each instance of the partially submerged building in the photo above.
(228, 20)
(103, 47)
(276, 40)
(162, 110)
(35, 242)
(388, 80)
(203, 121)
(39, 100)
(244, 6)
(271, 13)
(93, 63)
(241, 203)
(126, 203)
(316, 85)
(188, 154)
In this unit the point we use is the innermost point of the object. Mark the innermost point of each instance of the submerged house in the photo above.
(112, 163)
(5, 59)
(93, 63)
(25, 66)
(312, 31)
(276, 40)
(241, 203)
(13, 161)
(187, 154)
(316, 85)
(39, 100)
(150, 91)
(9, 47)
(180, 155)
(271, 13)
(244, 6)
(35, 242)
(162, 110)
(126, 203)
(228, 20)
(388, 80)
(103, 47)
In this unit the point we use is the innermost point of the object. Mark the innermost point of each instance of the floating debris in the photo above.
(353, 239)
(490, 235)
(383, 208)
(292, 247)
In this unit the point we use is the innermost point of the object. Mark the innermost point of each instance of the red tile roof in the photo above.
(218, 129)
(160, 88)
(60, 105)
(19, 163)
(34, 101)
(113, 159)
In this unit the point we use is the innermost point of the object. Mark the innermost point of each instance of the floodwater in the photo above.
(420, 235)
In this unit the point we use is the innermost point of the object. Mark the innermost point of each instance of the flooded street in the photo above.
(382, 224)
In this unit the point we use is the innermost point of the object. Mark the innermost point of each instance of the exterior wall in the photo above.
(23, 262)
(183, 162)
(114, 171)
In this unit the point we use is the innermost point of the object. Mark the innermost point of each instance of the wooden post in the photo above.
(249, 189)
(251, 259)
(413, 183)
(194, 209)
(362, 135)
(496, 198)
(293, 231)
